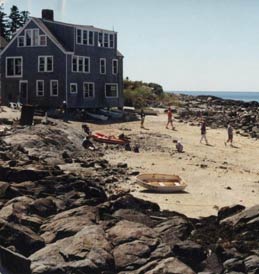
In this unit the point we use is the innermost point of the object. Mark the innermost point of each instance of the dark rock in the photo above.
(252, 264)
(228, 211)
(243, 216)
(134, 216)
(174, 229)
(68, 223)
(130, 202)
(125, 231)
(190, 253)
(24, 239)
(13, 263)
(122, 165)
(169, 265)
(87, 252)
(43, 207)
(234, 265)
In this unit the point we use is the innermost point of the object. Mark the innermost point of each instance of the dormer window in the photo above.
(32, 38)
(84, 37)
(105, 40)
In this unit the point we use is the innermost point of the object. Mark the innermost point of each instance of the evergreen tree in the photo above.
(16, 20)
(24, 16)
(3, 24)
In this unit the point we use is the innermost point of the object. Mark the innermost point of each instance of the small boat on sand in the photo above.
(161, 182)
(97, 116)
(109, 139)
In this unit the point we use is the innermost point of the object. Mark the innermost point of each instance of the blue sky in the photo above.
(181, 44)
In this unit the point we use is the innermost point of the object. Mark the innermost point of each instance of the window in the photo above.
(105, 40)
(20, 41)
(28, 37)
(43, 40)
(14, 66)
(111, 90)
(45, 64)
(73, 88)
(40, 88)
(85, 37)
(111, 40)
(32, 38)
(53, 87)
(81, 64)
(100, 39)
(115, 66)
(88, 90)
(79, 36)
(102, 66)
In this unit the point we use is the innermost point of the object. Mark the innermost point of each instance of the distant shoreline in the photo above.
(246, 96)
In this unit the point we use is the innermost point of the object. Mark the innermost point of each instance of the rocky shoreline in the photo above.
(63, 210)
(244, 116)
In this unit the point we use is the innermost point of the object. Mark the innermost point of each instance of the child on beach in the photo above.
(142, 117)
(170, 118)
(230, 135)
(203, 132)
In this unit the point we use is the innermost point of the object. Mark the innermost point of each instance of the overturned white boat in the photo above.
(161, 182)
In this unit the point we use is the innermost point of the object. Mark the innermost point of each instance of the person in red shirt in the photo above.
(170, 118)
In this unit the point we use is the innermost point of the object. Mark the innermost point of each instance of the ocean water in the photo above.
(233, 95)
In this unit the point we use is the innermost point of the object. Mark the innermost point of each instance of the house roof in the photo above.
(41, 24)
(119, 54)
(3, 42)
(78, 26)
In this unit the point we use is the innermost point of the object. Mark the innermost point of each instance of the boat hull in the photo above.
(102, 138)
(161, 182)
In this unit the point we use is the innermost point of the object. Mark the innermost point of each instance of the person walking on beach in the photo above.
(203, 132)
(230, 135)
(170, 118)
(142, 117)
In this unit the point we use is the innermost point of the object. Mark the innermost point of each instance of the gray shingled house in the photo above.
(48, 62)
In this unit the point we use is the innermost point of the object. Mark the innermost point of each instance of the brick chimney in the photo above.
(47, 15)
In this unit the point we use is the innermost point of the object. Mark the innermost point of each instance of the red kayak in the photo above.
(109, 139)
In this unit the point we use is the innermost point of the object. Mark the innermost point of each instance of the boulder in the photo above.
(242, 217)
(88, 251)
(228, 211)
(22, 238)
(190, 253)
(43, 207)
(125, 231)
(13, 263)
(174, 229)
(68, 223)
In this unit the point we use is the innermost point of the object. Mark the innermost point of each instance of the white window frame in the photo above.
(15, 75)
(81, 41)
(102, 59)
(107, 34)
(92, 97)
(37, 88)
(117, 66)
(51, 88)
(117, 90)
(77, 64)
(25, 39)
(45, 43)
(73, 84)
(45, 63)
(18, 39)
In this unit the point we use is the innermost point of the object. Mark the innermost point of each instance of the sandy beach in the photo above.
(216, 175)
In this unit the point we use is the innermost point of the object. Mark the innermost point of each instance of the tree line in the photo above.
(9, 24)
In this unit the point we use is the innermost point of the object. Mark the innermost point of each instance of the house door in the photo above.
(23, 91)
